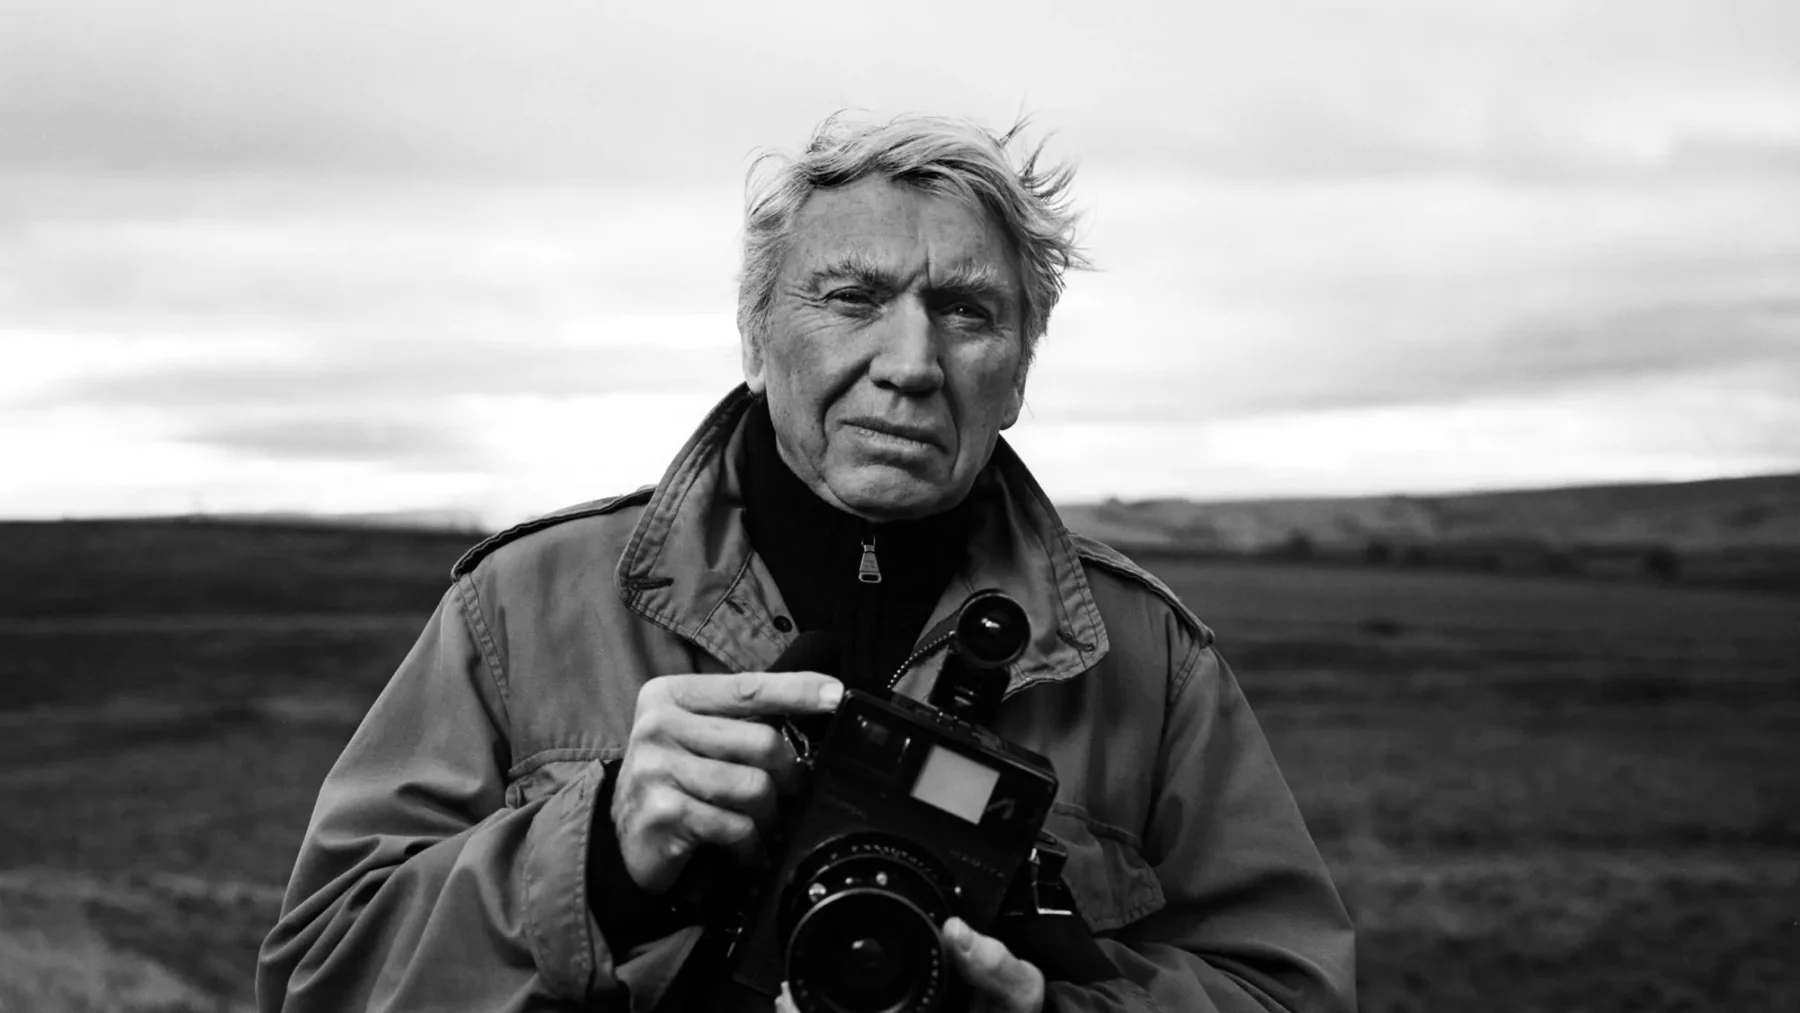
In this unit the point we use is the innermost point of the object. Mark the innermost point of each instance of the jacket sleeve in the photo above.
(418, 888)
(1251, 920)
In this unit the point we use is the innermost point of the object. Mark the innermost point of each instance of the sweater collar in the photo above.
(690, 568)
(815, 549)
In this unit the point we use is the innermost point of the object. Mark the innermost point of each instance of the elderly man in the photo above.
(590, 708)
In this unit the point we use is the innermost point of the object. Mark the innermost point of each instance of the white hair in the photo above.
(949, 158)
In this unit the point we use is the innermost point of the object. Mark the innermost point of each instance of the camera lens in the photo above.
(861, 921)
(992, 630)
(871, 966)
(864, 951)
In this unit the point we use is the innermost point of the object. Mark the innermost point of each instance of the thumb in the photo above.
(993, 970)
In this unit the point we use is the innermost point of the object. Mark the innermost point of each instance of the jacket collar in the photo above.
(689, 566)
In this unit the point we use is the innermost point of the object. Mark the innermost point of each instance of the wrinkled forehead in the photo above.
(880, 226)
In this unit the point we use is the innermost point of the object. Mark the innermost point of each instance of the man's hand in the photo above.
(698, 770)
(1002, 983)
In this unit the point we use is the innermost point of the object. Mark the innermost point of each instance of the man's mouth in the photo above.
(882, 427)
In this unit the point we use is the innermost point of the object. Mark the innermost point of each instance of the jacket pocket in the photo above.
(1112, 884)
(545, 773)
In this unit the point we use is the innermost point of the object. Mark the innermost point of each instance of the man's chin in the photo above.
(879, 493)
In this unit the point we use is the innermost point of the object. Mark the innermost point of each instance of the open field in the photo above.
(1535, 793)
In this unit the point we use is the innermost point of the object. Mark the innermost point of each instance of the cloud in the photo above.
(1541, 359)
(1528, 358)
(398, 443)
(610, 91)
(293, 253)
(1224, 300)
(412, 372)
(1652, 428)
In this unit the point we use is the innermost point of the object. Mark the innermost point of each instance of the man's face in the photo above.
(892, 359)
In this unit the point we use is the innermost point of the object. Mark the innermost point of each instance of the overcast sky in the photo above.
(396, 255)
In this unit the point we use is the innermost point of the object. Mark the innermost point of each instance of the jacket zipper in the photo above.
(869, 570)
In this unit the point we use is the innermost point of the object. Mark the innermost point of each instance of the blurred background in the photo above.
(1444, 356)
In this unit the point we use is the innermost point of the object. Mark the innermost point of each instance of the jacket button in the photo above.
(784, 624)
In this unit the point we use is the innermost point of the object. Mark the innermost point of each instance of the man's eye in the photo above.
(851, 297)
(967, 311)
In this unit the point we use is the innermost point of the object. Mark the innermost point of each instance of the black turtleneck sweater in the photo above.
(815, 552)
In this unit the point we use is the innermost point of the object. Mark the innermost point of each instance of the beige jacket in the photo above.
(444, 865)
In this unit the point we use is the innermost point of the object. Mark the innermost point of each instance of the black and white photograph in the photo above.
(1056, 507)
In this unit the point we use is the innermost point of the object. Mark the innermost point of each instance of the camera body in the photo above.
(915, 812)
(905, 799)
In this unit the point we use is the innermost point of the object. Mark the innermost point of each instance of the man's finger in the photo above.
(756, 694)
(747, 790)
(1008, 983)
(733, 740)
(703, 822)
(659, 831)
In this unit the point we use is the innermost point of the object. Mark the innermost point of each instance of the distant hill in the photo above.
(1740, 531)
(447, 519)
(186, 566)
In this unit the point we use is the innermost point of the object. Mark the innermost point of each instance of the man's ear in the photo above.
(755, 366)
(1015, 401)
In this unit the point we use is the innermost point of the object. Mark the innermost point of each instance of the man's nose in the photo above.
(907, 357)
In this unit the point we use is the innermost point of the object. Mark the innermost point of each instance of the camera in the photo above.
(914, 812)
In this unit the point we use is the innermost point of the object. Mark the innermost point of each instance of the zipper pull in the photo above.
(869, 571)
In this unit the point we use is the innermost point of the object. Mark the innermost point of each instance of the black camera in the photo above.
(914, 812)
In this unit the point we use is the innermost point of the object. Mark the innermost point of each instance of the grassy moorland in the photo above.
(1535, 793)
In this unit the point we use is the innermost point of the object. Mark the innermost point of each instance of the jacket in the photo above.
(444, 864)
